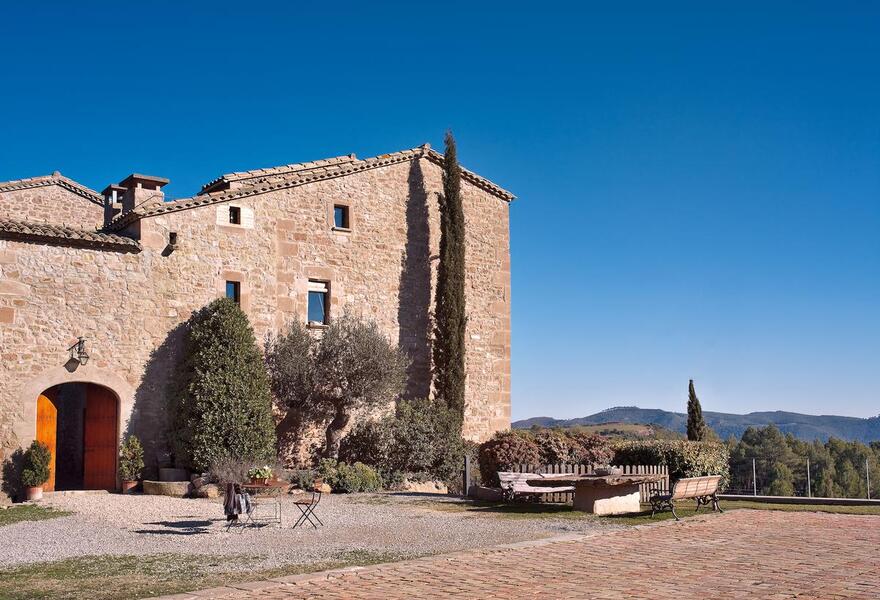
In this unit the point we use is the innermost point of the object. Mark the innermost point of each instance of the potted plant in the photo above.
(131, 463)
(35, 470)
(260, 474)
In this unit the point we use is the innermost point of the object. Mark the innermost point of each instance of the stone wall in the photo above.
(52, 204)
(131, 306)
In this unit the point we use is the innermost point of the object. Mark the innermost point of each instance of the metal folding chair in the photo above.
(307, 508)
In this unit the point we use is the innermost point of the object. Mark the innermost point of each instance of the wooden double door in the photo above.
(84, 431)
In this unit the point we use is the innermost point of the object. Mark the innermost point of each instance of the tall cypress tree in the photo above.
(449, 313)
(696, 427)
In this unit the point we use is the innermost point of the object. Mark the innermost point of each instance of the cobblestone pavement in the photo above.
(741, 554)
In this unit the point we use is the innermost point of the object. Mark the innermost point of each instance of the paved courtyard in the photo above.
(741, 554)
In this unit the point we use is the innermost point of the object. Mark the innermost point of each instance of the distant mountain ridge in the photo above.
(805, 427)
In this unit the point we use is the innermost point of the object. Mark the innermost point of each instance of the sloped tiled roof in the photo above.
(262, 181)
(470, 176)
(272, 172)
(55, 178)
(65, 236)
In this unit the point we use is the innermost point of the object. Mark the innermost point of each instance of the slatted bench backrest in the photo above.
(693, 487)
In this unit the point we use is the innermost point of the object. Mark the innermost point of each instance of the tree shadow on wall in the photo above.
(149, 415)
(414, 302)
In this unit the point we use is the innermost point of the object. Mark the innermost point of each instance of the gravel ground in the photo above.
(400, 525)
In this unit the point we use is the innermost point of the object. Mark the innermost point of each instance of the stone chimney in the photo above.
(141, 191)
(112, 201)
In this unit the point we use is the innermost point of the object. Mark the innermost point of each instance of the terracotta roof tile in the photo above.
(65, 236)
(346, 164)
(290, 176)
(283, 170)
(55, 178)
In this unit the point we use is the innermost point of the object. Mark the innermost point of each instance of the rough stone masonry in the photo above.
(125, 268)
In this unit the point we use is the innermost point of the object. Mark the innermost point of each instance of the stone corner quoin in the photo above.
(124, 268)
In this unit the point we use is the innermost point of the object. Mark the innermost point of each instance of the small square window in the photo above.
(340, 216)
(318, 296)
(233, 291)
(235, 215)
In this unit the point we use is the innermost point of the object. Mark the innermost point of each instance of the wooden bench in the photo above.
(703, 489)
(515, 484)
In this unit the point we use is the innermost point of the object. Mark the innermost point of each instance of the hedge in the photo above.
(506, 449)
(682, 457)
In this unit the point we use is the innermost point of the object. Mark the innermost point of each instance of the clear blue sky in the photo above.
(699, 190)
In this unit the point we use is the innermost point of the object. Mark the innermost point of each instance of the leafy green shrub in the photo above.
(327, 471)
(356, 478)
(394, 480)
(221, 405)
(683, 458)
(420, 441)
(504, 450)
(35, 468)
(131, 459)
(349, 478)
(371, 442)
(304, 479)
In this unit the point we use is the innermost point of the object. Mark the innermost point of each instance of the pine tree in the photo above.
(221, 406)
(449, 313)
(696, 426)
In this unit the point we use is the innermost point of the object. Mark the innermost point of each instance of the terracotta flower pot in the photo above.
(34, 493)
(129, 486)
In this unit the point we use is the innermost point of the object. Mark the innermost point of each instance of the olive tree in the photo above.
(352, 366)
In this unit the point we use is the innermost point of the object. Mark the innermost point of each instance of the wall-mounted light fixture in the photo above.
(78, 351)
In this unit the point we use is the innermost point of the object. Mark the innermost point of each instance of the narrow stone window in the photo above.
(233, 291)
(340, 217)
(319, 294)
(235, 215)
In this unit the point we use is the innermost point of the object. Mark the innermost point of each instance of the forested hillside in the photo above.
(801, 426)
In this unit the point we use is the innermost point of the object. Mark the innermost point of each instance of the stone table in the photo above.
(601, 494)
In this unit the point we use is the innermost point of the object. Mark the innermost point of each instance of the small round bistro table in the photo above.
(270, 502)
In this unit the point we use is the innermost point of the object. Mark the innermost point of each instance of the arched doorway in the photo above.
(79, 423)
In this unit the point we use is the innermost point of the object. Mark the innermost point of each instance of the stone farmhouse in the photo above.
(95, 287)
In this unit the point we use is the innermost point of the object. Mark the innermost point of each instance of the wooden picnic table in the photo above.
(601, 494)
